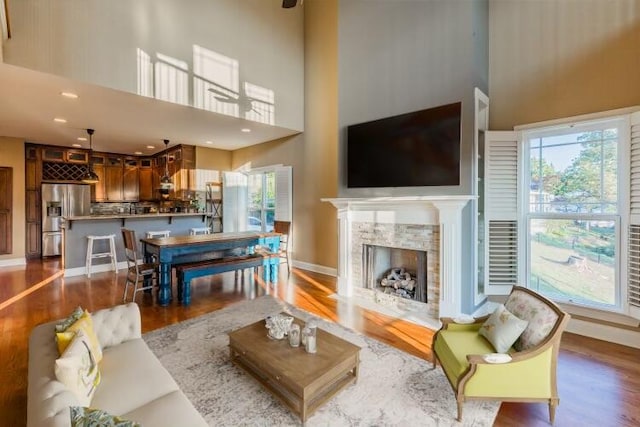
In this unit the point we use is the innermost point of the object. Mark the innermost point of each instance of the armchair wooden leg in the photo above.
(460, 402)
(553, 403)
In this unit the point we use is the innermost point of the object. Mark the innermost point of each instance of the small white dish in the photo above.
(497, 358)
(464, 319)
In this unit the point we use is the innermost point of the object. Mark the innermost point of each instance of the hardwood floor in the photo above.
(598, 381)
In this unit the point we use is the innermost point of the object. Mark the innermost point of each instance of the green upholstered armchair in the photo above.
(530, 375)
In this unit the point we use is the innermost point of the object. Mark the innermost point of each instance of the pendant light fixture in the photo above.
(165, 181)
(90, 177)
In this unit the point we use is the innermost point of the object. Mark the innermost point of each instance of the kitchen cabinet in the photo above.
(50, 154)
(77, 156)
(33, 240)
(113, 178)
(32, 198)
(98, 193)
(130, 183)
(145, 180)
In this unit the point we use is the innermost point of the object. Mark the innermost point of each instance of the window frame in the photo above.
(263, 208)
(620, 218)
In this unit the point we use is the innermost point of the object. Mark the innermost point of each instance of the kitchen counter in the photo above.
(77, 228)
(124, 217)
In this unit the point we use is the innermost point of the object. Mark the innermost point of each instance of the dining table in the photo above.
(169, 251)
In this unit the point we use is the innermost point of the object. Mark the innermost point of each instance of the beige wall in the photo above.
(313, 155)
(12, 155)
(554, 59)
(212, 159)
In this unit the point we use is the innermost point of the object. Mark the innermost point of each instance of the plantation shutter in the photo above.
(633, 253)
(501, 187)
(283, 193)
(234, 203)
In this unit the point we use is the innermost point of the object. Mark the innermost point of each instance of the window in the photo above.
(572, 211)
(262, 201)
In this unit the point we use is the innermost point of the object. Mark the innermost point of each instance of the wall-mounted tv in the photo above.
(421, 148)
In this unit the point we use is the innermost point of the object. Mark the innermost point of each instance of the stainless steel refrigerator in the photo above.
(60, 201)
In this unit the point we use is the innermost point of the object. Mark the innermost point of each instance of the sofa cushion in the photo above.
(502, 329)
(90, 417)
(77, 368)
(540, 316)
(453, 347)
(85, 324)
(170, 410)
(64, 324)
(132, 376)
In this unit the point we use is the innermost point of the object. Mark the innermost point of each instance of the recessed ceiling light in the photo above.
(60, 120)
(245, 130)
(82, 138)
(76, 145)
(137, 153)
(69, 95)
(208, 142)
(150, 147)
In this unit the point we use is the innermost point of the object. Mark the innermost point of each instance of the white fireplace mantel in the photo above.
(445, 211)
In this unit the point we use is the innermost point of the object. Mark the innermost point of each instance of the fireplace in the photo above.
(432, 224)
(395, 271)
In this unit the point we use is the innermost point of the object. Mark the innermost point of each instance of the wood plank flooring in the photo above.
(599, 382)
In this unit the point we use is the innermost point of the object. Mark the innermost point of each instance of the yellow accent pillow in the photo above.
(85, 324)
(78, 370)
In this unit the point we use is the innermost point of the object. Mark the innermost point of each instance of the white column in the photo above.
(450, 218)
(345, 287)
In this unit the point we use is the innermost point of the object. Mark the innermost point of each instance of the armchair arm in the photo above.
(450, 324)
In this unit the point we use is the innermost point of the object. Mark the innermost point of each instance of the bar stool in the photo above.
(111, 239)
(154, 234)
(201, 230)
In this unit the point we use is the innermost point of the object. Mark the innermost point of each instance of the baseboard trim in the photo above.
(99, 268)
(13, 262)
(627, 337)
(315, 268)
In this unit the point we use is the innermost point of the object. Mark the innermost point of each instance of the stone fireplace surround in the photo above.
(431, 223)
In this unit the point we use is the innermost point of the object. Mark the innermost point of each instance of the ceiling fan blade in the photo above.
(289, 3)
(227, 100)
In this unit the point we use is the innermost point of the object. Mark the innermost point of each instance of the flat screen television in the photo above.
(421, 148)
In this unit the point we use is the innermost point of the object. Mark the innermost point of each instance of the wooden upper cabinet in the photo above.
(51, 154)
(130, 184)
(77, 156)
(32, 175)
(145, 179)
(114, 179)
(98, 193)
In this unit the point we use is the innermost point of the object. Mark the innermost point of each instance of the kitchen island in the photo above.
(77, 228)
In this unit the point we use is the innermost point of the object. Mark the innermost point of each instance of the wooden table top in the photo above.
(294, 363)
(206, 238)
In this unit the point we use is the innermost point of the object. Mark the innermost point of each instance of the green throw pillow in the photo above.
(89, 417)
(502, 329)
(64, 325)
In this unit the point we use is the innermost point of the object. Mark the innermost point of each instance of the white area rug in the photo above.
(393, 389)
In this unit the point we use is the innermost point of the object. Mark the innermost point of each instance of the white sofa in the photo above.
(134, 385)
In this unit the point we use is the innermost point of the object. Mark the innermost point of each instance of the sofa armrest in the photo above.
(117, 324)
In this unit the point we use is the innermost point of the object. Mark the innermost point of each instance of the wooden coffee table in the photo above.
(303, 381)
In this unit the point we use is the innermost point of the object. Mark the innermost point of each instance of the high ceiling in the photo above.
(123, 122)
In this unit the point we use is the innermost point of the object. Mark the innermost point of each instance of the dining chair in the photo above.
(284, 228)
(136, 273)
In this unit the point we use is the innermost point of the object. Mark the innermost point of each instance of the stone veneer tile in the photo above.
(407, 236)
